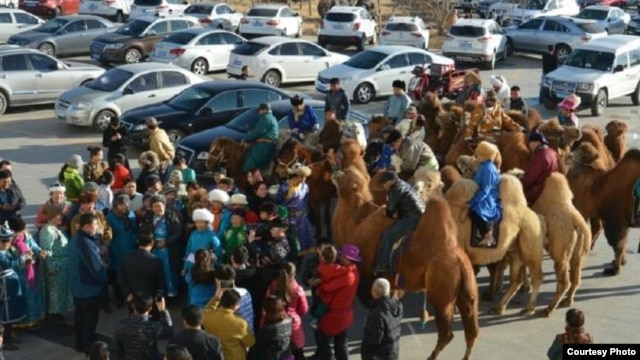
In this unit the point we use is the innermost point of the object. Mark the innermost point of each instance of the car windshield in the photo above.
(249, 48)
(366, 60)
(199, 9)
(592, 14)
(181, 38)
(340, 17)
(263, 12)
(467, 31)
(191, 99)
(134, 27)
(401, 27)
(591, 59)
(535, 4)
(244, 121)
(110, 80)
(52, 26)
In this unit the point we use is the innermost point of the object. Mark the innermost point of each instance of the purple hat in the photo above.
(351, 252)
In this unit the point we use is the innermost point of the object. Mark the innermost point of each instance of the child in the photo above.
(105, 194)
(201, 280)
(121, 173)
(180, 164)
(328, 270)
(227, 185)
(574, 334)
(219, 173)
(176, 179)
(237, 233)
(202, 237)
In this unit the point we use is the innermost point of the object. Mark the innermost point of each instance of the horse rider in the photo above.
(500, 86)
(303, 121)
(262, 140)
(544, 161)
(337, 99)
(489, 124)
(398, 103)
(485, 207)
(413, 126)
(567, 111)
(405, 205)
(414, 154)
(472, 88)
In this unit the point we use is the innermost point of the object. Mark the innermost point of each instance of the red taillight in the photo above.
(273, 22)
(448, 37)
(385, 33)
(109, 2)
(205, 20)
(162, 7)
(244, 21)
(484, 39)
(176, 52)
(417, 34)
(586, 38)
(356, 26)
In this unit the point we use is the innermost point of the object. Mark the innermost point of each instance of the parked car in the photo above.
(271, 20)
(50, 8)
(514, 13)
(598, 71)
(200, 107)
(633, 28)
(564, 33)
(30, 77)
(120, 89)
(276, 59)
(114, 10)
(369, 74)
(216, 15)
(133, 41)
(476, 41)
(14, 21)
(200, 50)
(405, 30)
(195, 148)
(160, 7)
(612, 19)
(483, 8)
(347, 25)
(65, 35)
(617, 3)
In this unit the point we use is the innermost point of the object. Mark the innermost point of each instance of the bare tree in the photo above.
(442, 12)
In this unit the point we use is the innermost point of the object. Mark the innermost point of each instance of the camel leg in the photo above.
(596, 228)
(526, 284)
(496, 275)
(516, 266)
(444, 324)
(535, 268)
(562, 284)
(469, 316)
(576, 274)
(617, 238)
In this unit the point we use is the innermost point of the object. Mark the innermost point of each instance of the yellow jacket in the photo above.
(484, 125)
(160, 144)
(232, 330)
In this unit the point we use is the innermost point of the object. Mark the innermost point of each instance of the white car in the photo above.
(114, 10)
(13, 21)
(200, 50)
(405, 30)
(370, 73)
(347, 25)
(517, 14)
(276, 59)
(611, 19)
(276, 20)
(159, 7)
(217, 15)
(120, 89)
(476, 40)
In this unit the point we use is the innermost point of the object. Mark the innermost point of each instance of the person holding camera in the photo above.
(137, 337)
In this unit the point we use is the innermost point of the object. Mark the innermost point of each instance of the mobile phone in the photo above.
(159, 295)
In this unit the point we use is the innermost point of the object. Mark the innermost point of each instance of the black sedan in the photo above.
(195, 148)
(203, 106)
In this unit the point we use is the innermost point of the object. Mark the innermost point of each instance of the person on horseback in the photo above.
(567, 111)
(472, 88)
(262, 141)
(485, 207)
(414, 154)
(405, 205)
(303, 121)
(398, 103)
(494, 120)
(544, 161)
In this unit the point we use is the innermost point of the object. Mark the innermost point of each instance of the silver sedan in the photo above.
(65, 35)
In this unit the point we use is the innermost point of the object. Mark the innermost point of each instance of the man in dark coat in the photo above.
(337, 99)
(11, 199)
(544, 161)
(381, 340)
(201, 346)
(516, 100)
(114, 138)
(141, 271)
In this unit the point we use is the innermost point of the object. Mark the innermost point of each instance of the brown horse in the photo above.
(331, 135)
(230, 154)
(321, 189)
(431, 261)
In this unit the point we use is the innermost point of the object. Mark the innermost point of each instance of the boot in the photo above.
(487, 240)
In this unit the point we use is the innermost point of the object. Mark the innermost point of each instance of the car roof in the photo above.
(269, 6)
(345, 9)
(473, 22)
(392, 49)
(599, 7)
(568, 19)
(80, 17)
(10, 10)
(152, 18)
(10, 49)
(200, 30)
(272, 40)
(403, 19)
(233, 84)
(612, 43)
(146, 66)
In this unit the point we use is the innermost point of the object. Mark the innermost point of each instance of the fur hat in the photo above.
(75, 161)
(496, 81)
(202, 215)
(51, 210)
(6, 233)
(238, 199)
(151, 122)
(571, 102)
(299, 170)
(474, 77)
(393, 136)
(57, 187)
(169, 189)
(219, 196)
(486, 151)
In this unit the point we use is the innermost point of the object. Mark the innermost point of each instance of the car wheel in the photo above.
(364, 93)
(132, 56)
(119, 17)
(505, 52)
(299, 33)
(562, 51)
(47, 48)
(373, 39)
(103, 119)
(3, 103)
(360, 45)
(175, 136)
(635, 96)
(509, 46)
(200, 66)
(599, 103)
(272, 77)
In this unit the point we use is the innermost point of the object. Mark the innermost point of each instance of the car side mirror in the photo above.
(205, 111)
(384, 67)
(58, 66)
(128, 91)
(618, 68)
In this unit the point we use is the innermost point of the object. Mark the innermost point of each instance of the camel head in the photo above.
(586, 154)
(350, 182)
(429, 105)
(461, 191)
(616, 128)
(467, 165)
(428, 182)
(376, 124)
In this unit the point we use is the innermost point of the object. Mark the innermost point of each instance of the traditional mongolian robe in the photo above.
(53, 270)
(13, 301)
(263, 138)
(296, 199)
(23, 243)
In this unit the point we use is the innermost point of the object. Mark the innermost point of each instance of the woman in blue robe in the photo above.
(294, 195)
(124, 225)
(200, 279)
(485, 207)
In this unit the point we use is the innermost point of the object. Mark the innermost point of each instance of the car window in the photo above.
(225, 101)
(223, 9)
(590, 28)
(364, 14)
(255, 97)
(621, 59)
(147, 2)
(14, 63)
(176, 2)
(177, 25)
(340, 17)
(311, 50)
(531, 24)
(161, 27)
(173, 78)
(288, 49)
(42, 62)
(397, 61)
(146, 82)
(286, 12)
(75, 26)
(263, 12)
(95, 24)
(634, 57)
(231, 39)
(5, 18)
(25, 19)
(398, 26)
(418, 58)
(211, 39)
(198, 9)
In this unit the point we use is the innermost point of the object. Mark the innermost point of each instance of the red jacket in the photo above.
(330, 273)
(343, 292)
(544, 161)
(251, 218)
(120, 176)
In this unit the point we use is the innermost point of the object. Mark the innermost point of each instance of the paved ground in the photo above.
(38, 145)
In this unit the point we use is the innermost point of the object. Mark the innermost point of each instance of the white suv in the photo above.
(160, 7)
(347, 25)
(476, 40)
(602, 69)
(114, 10)
(405, 30)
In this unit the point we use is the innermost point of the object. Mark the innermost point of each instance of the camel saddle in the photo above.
(476, 237)
(397, 248)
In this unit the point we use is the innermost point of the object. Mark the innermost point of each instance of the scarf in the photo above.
(292, 190)
(20, 242)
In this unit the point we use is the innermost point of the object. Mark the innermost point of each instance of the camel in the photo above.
(560, 139)
(353, 155)
(615, 140)
(520, 229)
(449, 175)
(434, 263)
(428, 183)
(607, 195)
(595, 136)
(442, 123)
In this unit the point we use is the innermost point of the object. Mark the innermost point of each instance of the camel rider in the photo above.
(303, 121)
(413, 126)
(567, 111)
(403, 204)
(472, 88)
(501, 88)
(544, 161)
(485, 207)
(398, 103)
(414, 154)
(262, 140)
(494, 120)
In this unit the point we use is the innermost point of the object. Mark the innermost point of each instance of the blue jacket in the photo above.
(199, 294)
(206, 239)
(397, 106)
(86, 271)
(486, 202)
(125, 232)
(308, 122)
(225, 223)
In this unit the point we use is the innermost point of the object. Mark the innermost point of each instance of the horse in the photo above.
(228, 153)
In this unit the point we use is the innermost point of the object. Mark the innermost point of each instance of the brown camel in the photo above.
(376, 124)
(616, 140)
(594, 135)
(428, 183)
(449, 175)
(442, 123)
(434, 262)
(353, 155)
(560, 139)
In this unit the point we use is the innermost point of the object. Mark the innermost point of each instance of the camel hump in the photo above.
(511, 191)
(556, 190)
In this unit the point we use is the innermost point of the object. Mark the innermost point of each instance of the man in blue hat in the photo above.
(544, 161)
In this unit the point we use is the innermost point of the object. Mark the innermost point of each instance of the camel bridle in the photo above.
(219, 158)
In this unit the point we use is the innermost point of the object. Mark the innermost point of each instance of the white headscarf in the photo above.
(504, 92)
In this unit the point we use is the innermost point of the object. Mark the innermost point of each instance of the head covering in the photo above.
(297, 100)
(238, 199)
(176, 175)
(351, 252)
(388, 176)
(122, 199)
(239, 212)
(277, 223)
(472, 76)
(491, 95)
(202, 215)
(90, 186)
(486, 151)
(571, 102)
(57, 187)
(151, 122)
(219, 171)
(496, 81)
(538, 136)
(152, 180)
(75, 161)
(158, 198)
(6, 234)
(51, 211)
(399, 84)
(168, 189)
(299, 170)
(393, 136)
(219, 196)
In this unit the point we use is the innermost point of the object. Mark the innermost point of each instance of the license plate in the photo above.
(237, 62)
(465, 58)
(161, 54)
(562, 94)
(32, 4)
(257, 24)
(338, 27)
(465, 45)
